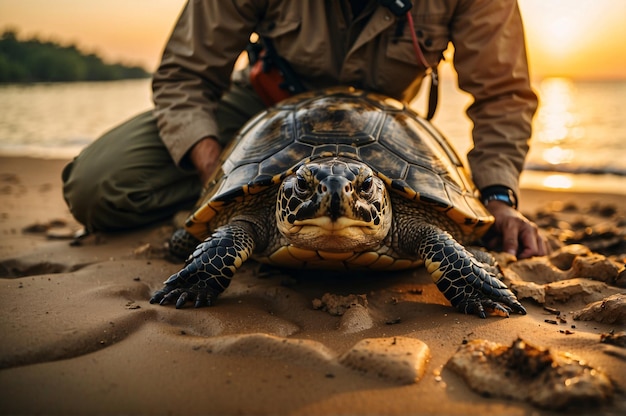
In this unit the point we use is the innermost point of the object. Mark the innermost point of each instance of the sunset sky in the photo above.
(579, 39)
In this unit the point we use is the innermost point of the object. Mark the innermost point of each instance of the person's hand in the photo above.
(514, 233)
(205, 157)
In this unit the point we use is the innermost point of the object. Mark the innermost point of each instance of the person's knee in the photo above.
(124, 198)
(89, 198)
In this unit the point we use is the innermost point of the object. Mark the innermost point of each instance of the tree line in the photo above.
(34, 60)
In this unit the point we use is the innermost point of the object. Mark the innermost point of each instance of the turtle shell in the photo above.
(403, 149)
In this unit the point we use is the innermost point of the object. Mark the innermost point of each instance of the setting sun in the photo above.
(581, 39)
(561, 37)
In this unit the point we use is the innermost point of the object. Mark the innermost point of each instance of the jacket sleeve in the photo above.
(490, 58)
(195, 70)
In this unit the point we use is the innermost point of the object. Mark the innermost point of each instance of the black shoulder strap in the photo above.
(433, 94)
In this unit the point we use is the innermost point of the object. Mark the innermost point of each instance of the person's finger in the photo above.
(543, 249)
(510, 235)
(529, 238)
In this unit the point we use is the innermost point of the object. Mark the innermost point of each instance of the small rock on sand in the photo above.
(547, 379)
(356, 319)
(617, 338)
(611, 310)
(337, 304)
(399, 359)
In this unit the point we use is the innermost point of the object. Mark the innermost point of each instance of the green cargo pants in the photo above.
(127, 178)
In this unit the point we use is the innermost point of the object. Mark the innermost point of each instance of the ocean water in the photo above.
(578, 143)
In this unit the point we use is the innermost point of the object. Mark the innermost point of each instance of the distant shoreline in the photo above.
(34, 60)
(94, 81)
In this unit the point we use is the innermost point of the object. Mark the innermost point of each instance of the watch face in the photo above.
(507, 199)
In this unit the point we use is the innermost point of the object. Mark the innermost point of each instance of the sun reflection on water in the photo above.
(579, 135)
(557, 155)
(558, 182)
(557, 119)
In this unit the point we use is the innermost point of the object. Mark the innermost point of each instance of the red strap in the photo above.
(434, 77)
(416, 45)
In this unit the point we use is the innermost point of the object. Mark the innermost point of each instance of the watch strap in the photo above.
(499, 193)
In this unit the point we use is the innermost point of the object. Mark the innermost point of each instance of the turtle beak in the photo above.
(339, 190)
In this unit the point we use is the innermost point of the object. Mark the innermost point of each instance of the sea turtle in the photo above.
(346, 179)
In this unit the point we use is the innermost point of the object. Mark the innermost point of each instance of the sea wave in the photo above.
(577, 170)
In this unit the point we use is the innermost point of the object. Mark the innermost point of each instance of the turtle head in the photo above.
(334, 205)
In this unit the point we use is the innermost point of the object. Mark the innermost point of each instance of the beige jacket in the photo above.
(327, 47)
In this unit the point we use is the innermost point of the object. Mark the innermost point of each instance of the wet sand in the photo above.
(80, 337)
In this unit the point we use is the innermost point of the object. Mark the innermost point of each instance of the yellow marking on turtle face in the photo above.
(327, 224)
(293, 230)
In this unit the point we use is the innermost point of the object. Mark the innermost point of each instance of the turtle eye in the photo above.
(302, 185)
(366, 185)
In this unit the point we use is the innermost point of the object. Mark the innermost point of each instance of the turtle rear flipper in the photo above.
(465, 281)
(182, 243)
(209, 269)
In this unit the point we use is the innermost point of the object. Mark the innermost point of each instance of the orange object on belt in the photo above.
(268, 81)
(271, 75)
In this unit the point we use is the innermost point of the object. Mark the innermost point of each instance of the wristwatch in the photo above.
(499, 193)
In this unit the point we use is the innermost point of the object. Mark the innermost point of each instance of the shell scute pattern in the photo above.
(343, 123)
(276, 132)
(407, 153)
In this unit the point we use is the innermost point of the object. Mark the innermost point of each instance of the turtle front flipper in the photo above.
(465, 281)
(209, 269)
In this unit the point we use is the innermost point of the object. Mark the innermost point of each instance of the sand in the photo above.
(78, 335)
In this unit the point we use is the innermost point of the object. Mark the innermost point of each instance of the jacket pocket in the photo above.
(276, 29)
(433, 41)
(308, 55)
